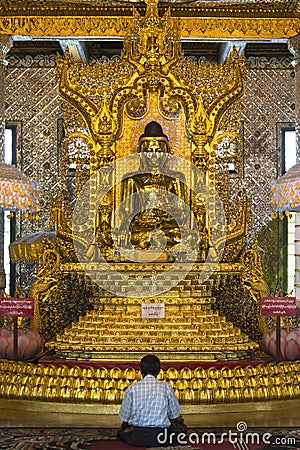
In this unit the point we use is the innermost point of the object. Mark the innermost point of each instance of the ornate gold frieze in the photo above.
(91, 7)
(238, 27)
(140, 267)
(107, 25)
(91, 386)
(66, 25)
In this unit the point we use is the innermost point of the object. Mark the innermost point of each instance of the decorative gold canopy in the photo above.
(269, 19)
(29, 247)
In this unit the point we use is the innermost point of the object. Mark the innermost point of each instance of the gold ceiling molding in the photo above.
(239, 28)
(231, 6)
(120, 26)
(262, 19)
(66, 26)
(201, 8)
(183, 8)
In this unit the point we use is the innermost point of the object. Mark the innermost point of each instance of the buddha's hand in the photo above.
(123, 234)
(180, 212)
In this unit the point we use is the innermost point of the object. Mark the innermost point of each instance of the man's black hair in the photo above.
(150, 365)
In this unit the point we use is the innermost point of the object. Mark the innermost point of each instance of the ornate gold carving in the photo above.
(29, 248)
(254, 281)
(159, 75)
(153, 54)
(46, 280)
(192, 24)
(91, 386)
(113, 330)
(237, 229)
(98, 120)
(238, 28)
(253, 274)
(53, 25)
(71, 6)
(61, 217)
(99, 109)
(154, 71)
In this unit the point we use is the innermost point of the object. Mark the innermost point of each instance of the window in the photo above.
(289, 148)
(9, 221)
(289, 160)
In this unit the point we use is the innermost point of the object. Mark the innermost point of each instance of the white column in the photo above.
(297, 258)
(294, 47)
(5, 45)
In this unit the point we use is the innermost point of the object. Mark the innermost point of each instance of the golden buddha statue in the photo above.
(153, 208)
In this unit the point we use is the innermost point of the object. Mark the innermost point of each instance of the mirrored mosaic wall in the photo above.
(267, 106)
(33, 106)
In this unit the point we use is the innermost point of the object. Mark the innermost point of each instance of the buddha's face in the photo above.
(154, 153)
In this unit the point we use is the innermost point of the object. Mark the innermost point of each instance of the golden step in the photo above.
(166, 346)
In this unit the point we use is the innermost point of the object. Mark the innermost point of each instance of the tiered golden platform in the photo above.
(192, 329)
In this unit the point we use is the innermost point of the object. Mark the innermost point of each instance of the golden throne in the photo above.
(210, 310)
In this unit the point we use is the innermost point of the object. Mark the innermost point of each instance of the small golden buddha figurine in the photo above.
(153, 199)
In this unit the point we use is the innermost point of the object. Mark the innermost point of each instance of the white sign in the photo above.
(153, 310)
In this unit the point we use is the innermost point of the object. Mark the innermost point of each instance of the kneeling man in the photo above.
(150, 411)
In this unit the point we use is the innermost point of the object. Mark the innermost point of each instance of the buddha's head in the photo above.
(154, 146)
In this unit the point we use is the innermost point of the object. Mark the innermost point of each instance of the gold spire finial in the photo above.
(151, 2)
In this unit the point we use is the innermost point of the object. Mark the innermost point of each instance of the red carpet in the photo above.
(105, 439)
(117, 445)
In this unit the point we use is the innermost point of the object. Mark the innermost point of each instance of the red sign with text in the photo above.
(278, 306)
(16, 307)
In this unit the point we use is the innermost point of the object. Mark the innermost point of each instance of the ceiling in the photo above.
(96, 46)
(211, 50)
(287, 5)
